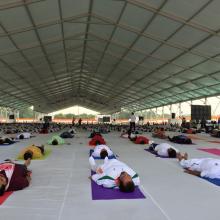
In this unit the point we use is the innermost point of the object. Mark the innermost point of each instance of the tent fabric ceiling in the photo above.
(108, 54)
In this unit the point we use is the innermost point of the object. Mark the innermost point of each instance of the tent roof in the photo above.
(108, 54)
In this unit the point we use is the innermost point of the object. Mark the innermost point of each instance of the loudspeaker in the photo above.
(106, 119)
(12, 117)
(47, 118)
(173, 115)
(141, 118)
(200, 112)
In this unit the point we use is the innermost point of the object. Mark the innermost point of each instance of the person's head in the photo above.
(142, 142)
(41, 149)
(28, 154)
(3, 182)
(55, 142)
(188, 141)
(2, 189)
(125, 182)
(21, 136)
(132, 113)
(103, 153)
(97, 142)
(171, 153)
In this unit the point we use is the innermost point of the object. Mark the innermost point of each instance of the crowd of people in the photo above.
(112, 173)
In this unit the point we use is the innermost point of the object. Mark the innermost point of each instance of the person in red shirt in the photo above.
(14, 176)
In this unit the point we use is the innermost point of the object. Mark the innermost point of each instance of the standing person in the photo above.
(132, 122)
(73, 121)
(80, 121)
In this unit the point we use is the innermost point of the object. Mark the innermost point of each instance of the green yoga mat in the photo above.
(47, 152)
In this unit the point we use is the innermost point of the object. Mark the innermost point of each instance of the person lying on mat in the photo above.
(102, 151)
(180, 139)
(159, 133)
(66, 134)
(6, 140)
(114, 174)
(56, 140)
(72, 131)
(164, 150)
(203, 167)
(127, 134)
(14, 176)
(24, 135)
(33, 152)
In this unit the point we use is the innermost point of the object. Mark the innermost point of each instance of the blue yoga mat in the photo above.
(214, 181)
(99, 158)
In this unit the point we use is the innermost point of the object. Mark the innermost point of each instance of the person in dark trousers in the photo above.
(132, 122)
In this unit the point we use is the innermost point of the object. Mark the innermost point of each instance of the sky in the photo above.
(75, 110)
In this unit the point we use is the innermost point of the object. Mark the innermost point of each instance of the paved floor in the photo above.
(60, 188)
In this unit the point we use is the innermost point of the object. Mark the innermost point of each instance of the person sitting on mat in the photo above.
(114, 174)
(33, 152)
(56, 140)
(102, 151)
(203, 167)
(6, 140)
(14, 176)
(164, 150)
(180, 139)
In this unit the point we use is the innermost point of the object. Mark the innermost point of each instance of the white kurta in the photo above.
(111, 171)
(209, 167)
(133, 118)
(99, 148)
(162, 148)
(26, 135)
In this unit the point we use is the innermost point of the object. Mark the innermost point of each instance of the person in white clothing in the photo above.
(72, 131)
(102, 151)
(114, 174)
(203, 167)
(164, 150)
(24, 135)
(132, 122)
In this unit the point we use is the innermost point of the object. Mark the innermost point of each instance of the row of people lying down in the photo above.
(179, 139)
(14, 128)
(111, 174)
(26, 135)
(116, 174)
(15, 176)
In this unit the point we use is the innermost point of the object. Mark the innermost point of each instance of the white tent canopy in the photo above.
(108, 54)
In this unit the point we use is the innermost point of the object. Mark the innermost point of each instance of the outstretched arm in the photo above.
(195, 173)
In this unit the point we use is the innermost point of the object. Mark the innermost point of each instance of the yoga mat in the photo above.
(4, 197)
(152, 152)
(101, 193)
(46, 154)
(99, 158)
(195, 138)
(214, 142)
(214, 181)
(214, 151)
(9, 144)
